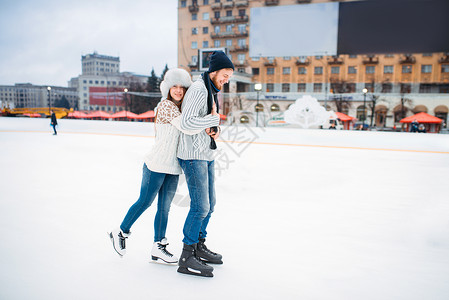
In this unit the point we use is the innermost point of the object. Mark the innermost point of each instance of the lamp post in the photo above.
(257, 88)
(126, 99)
(364, 106)
(49, 99)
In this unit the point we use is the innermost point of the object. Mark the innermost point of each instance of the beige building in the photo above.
(401, 84)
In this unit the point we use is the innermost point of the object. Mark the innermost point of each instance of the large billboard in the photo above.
(106, 96)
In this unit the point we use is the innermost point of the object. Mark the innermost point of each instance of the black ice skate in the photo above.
(206, 255)
(190, 264)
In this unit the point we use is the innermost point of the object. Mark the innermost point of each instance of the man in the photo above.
(196, 157)
(54, 122)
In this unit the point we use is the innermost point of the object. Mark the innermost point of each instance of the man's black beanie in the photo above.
(219, 60)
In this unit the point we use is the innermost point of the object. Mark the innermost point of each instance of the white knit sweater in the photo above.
(162, 157)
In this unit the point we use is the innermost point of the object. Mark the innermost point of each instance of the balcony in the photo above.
(193, 8)
(240, 63)
(444, 59)
(303, 1)
(228, 4)
(239, 49)
(407, 59)
(370, 60)
(270, 62)
(335, 60)
(302, 62)
(226, 34)
(216, 6)
(230, 19)
(242, 3)
(271, 2)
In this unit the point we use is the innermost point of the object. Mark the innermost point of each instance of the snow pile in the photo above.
(307, 113)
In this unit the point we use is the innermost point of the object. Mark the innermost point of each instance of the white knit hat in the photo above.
(175, 77)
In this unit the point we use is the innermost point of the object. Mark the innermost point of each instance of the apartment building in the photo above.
(397, 85)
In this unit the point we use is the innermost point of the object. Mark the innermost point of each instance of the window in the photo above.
(317, 87)
(242, 12)
(389, 55)
(350, 88)
(318, 70)
(286, 87)
(302, 70)
(228, 43)
(217, 1)
(194, 59)
(352, 56)
(361, 113)
(216, 44)
(205, 2)
(255, 71)
(270, 71)
(205, 44)
(183, 3)
(206, 16)
(370, 87)
(426, 69)
(318, 56)
(228, 28)
(388, 69)
(270, 87)
(229, 13)
(217, 29)
(286, 70)
(427, 54)
(335, 70)
(256, 58)
(425, 88)
(301, 87)
(242, 28)
(241, 57)
(352, 70)
(217, 15)
(194, 17)
(370, 69)
(242, 42)
(194, 45)
(287, 57)
(387, 87)
(205, 30)
(275, 107)
(194, 30)
(444, 68)
(407, 69)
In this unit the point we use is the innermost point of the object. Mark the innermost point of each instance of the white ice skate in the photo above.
(160, 252)
(118, 238)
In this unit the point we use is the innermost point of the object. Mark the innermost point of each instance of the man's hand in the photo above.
(213, 134)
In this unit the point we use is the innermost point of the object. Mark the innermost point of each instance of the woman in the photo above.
(161, 168)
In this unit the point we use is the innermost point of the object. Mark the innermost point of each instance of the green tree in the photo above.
(63, 102)
(163, 72)
(153, 82)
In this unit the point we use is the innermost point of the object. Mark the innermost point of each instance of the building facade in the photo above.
(101, 86)
(23, 95)
(397, 85)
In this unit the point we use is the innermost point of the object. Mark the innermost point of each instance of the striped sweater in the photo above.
(195, 117)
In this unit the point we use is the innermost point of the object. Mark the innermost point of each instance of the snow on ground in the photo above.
(301, 214)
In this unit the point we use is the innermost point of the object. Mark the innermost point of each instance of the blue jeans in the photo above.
(200, 181)
(152, 184)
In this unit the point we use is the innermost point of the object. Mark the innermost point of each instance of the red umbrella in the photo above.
(124, 114)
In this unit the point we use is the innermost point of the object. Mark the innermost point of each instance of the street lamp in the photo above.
(364, 106)
(49, 99)
(126, 102)
(257, 88)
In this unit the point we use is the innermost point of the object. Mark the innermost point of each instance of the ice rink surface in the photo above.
(301, 214)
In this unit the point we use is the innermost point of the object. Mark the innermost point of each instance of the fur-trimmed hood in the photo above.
(175, 77)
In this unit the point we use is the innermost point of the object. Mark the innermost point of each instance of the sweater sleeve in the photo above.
(191, 119)
(177, 123)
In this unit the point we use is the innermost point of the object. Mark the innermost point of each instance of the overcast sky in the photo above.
(41, 41)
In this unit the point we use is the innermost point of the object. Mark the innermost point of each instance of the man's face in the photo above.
(220, 77)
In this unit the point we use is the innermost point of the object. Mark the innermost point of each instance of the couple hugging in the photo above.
(186, 127)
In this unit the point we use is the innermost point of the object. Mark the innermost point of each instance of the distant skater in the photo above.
(54, 122)
(161, 168)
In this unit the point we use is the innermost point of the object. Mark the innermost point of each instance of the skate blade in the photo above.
(216, 262)
(113, 245)
(190, 271)
(158, 260)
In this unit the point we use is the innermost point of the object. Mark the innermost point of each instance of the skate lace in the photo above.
(122, 241)
(205, 249)
(164, 250)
